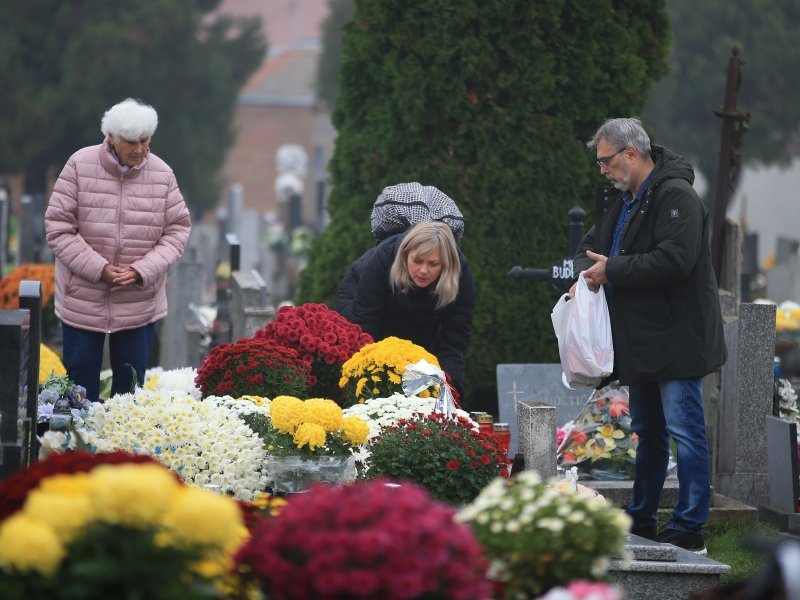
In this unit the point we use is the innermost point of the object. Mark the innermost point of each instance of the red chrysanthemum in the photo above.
(254, 366)
(323, 337)
(433, 451)
(365, 540)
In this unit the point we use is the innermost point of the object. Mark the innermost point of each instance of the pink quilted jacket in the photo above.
(97, 216)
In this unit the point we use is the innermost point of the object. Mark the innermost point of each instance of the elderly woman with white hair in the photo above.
(116, 222)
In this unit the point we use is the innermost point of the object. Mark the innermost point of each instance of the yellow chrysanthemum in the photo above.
(49, 363)
(200, 517)
(151, 382)
(394, 377)
(311, 434)
(266, 502)
(27, 545)
(355, 430)
(390, 352)
(62, 503)
(133, 495)
(286, 413)
(324, 412)
(360, 385)
(76, 484)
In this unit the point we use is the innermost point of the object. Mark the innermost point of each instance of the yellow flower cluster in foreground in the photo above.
(138, 496)
(49, 363)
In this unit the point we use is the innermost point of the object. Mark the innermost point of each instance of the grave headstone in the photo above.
(30, 299)
(785, 248)
(783, 280)
(536, 424)
(747, 383)
(249, 310)
(538, 384)
(784, 490)
(5, 201)
(32, 246)
(185, 287)
(14, 325)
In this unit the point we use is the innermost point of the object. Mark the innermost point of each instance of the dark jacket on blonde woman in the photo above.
(416, 286)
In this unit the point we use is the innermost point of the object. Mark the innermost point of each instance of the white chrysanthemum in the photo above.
(551, 524)
(176, 380)
(242, 406)
(600, 566)
(383, 412)
(53, 441)
(203, 440)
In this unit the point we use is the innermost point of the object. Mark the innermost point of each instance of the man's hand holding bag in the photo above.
(583, 329)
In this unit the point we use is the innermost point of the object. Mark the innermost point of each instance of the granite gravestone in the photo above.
(784, 490)
(536, 384)
(14, 325)
(30, 299)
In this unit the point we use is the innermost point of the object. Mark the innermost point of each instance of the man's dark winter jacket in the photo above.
(665, 313)
(365, 297)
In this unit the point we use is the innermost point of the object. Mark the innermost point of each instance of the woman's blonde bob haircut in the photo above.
(424, 238)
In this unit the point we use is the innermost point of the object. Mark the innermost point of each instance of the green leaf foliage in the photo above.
(63, 64)
(492, 103)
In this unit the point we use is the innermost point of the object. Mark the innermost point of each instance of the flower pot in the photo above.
(292, 474)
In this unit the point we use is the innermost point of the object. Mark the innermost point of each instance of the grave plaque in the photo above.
(14, 326)
(782, 464)
(535, 384)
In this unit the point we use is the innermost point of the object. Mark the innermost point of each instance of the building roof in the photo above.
(287, 79)
(286, 23)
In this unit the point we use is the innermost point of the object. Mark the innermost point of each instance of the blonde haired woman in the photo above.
(417, 286)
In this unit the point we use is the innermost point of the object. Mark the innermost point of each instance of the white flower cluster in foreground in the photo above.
(204, 441)
(381, 412)
(509, 511)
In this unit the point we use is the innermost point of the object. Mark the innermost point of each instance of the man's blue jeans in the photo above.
(659, 411)
(83, 357)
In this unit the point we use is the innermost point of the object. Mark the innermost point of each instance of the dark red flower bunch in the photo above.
(446, 456)
(322, 337)
(15, 489)
(253, 366)
(365, 540)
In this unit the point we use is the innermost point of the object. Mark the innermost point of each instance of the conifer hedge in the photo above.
(491, 101)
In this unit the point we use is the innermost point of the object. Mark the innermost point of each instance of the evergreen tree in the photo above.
(492, 103)
(63, 64)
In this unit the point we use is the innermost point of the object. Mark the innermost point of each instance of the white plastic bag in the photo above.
(583, 329)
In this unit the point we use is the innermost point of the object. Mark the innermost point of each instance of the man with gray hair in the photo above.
(115, 223)
(651, 251)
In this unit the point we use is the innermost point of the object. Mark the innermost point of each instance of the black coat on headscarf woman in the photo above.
(366, 298)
